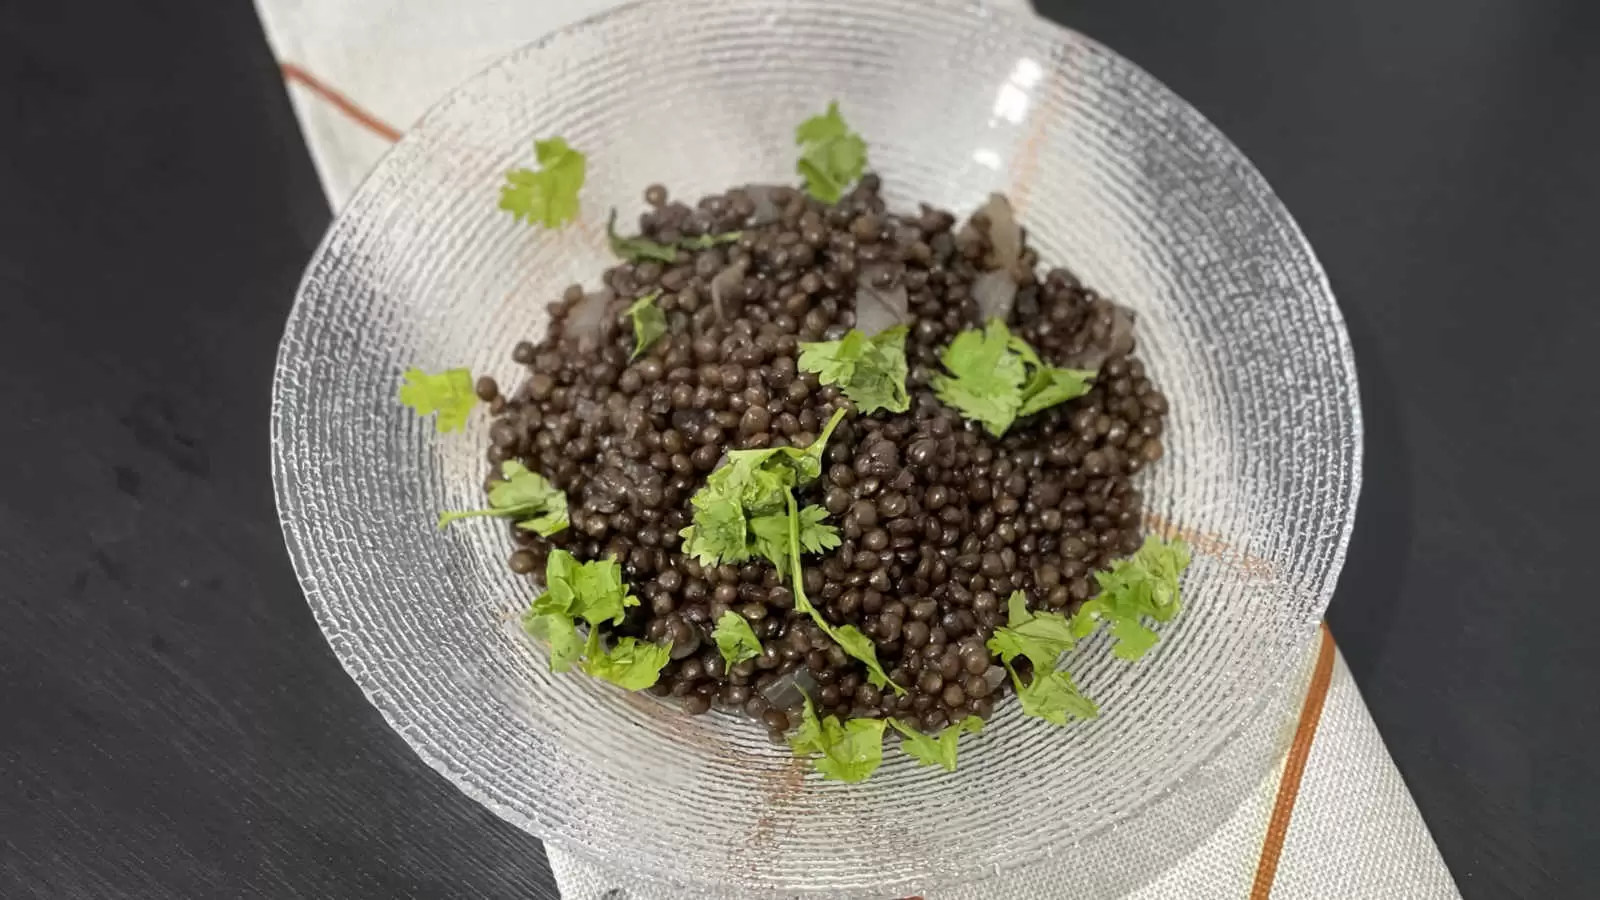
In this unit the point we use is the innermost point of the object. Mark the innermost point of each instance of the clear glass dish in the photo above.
(1115, 177)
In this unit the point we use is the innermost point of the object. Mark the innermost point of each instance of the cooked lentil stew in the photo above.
(939, 521)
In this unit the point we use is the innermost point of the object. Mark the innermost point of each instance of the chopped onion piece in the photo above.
(879, 308)
(995, 291)
(1005, 236)
(727, 289)
(587, 318)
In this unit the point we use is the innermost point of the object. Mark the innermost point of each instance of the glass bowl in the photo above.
(1115, 177)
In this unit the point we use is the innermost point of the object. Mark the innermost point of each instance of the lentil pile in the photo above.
(939, 520)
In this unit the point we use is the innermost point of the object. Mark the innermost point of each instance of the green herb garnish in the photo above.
(561, 633)
(995, 378)
(1041, 637)
(735, 639)
(632, 665)
(1049, 386)
(870, 371)
(940, 751)
(640, 248)
(549, 196)
(1052, 696)
(747, 508)
(448, 393)
(637, 249)
(770, 533)
(848, 637)
(524, 496)
(848, 751)
(649, 322)
(591, 591)
(1145, 584)
(751, 485)
(832, 156)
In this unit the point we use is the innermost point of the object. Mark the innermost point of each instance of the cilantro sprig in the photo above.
(1143, 585)
(548, 197)
(632, 664)
(649, 322)
(593, 593)
(734, 512)
(640, 248)
(832, 156)
(748, 508)
(845, 751)
(936, 751)
(1040, 638)
(994, 378)
(448, 393)
(870, 371)
(848, 637)
(851, 750)
(1052, 696)
(524, 496)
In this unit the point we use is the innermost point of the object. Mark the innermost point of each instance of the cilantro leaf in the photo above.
(815, 534)
(1049, 385)
(832, 156)
(1052, 696)
(1133, 639)
(751, 484)
(560, 633)
(1041, 637)
(637, 249)
(720, 532)
(848, 752)
(771, 535)
(549, 522)
(833, 361)
(735, 639)
(996, 378)
(1145, 584)
(870, 371)
(848, 637)
(985, 380)
(448, 393)
(525, 496)
(649, 323)
(860, 647)
(632, 665)
(592, 591)
(940, 751)
(549, 196)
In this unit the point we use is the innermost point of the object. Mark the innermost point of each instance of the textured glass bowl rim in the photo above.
(1282, 665)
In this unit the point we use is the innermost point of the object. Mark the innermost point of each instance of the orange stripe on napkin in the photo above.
(362, 117)
(1293, 769)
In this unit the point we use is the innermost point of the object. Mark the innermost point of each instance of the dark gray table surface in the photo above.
(173, 725)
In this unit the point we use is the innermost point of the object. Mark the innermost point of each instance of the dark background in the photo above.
(173, 725)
